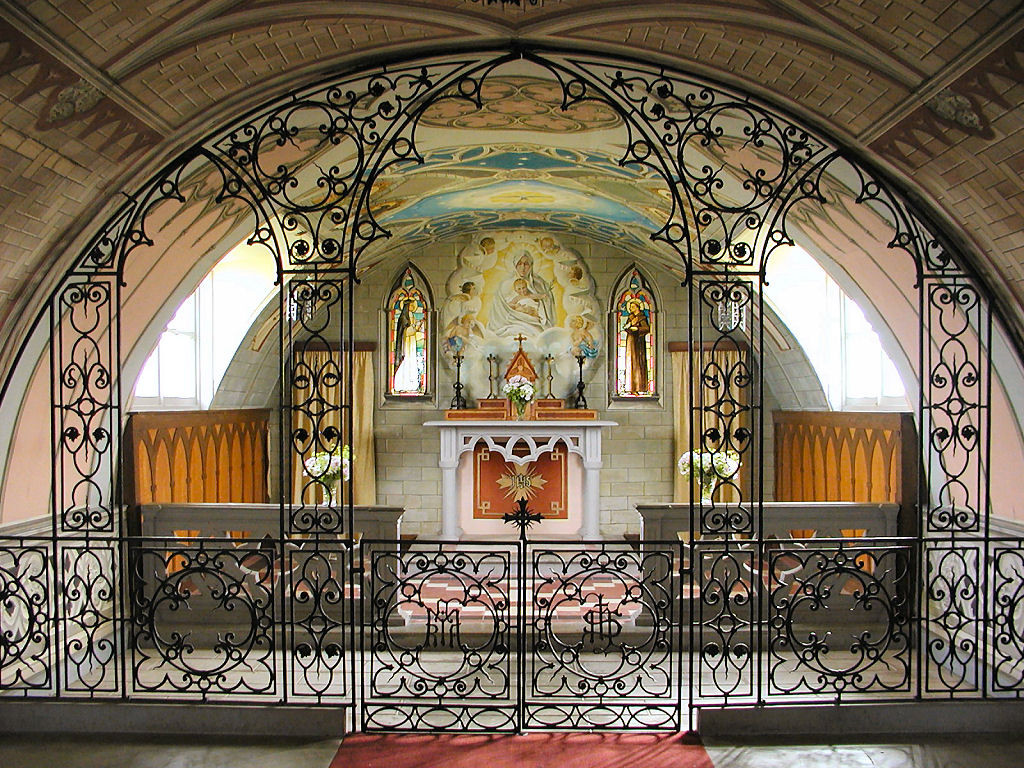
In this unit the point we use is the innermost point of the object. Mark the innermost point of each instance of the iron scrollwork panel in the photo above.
(728, 159)
(441, 639)
(722, 607)
(354, 128)
(203, 617)
(838, 619)
(725, 405)
(1007, 606)
(89, 614)
(317, 407)
(604, 639)
(85, 402)
(955, 388)
(319, 595)
(26, 626)
(951, 633)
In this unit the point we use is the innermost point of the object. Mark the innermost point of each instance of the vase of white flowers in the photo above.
(519, 390)
(707, 469)
(327, 468)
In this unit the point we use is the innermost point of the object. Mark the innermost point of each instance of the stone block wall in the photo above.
(639, 459)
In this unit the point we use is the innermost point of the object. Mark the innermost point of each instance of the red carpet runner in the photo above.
(535, 750)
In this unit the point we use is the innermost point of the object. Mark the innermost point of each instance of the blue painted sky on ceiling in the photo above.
(491, 158)
(524, 196)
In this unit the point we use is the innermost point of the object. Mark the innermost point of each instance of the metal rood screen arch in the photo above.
(529, 634)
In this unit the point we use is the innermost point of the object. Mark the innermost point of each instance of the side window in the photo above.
(197, 345)
(634, 334)
(408, 315)
(170, 377)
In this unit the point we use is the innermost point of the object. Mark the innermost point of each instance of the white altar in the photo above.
(520, 442)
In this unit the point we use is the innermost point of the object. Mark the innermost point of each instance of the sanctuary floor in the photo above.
(579, 750)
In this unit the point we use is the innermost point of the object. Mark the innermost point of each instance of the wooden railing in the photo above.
(831, 456)
(197, 457)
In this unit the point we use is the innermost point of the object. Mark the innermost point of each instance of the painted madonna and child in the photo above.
(522, 285)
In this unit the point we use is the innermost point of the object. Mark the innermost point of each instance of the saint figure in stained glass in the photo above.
(407, 338)
(634, 353)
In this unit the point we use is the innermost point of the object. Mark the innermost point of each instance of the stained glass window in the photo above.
(635, 336)
(408, 317)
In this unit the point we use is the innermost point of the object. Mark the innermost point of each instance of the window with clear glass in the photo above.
(845, 351)
(169, 376)
(194, 350)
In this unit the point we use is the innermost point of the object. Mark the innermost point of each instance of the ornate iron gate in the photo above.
(528, 635)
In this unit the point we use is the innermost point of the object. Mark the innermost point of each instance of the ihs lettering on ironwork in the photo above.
(602, 623)
(443, 626)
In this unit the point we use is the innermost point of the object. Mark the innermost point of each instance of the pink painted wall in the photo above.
(182, 236)
(857, 239)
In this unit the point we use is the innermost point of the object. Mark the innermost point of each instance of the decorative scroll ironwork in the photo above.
(319, 597)
(692, 134)
(203, 617)
(86, 419)
(602, 631)
(723, 613)
(89, 607)
(441, 639)
(446, 638)
(1008, 616)
(839, 619)
(725, 403)
(354, 129)
(955, 393)
(953, 602)
(26, 653)
(318, 390)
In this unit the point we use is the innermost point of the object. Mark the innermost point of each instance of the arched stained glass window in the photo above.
(408, 332)
(635, 334)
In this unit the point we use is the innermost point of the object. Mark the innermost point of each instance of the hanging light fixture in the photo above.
(517, 3)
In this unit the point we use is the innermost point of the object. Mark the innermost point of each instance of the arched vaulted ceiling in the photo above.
(97, 95)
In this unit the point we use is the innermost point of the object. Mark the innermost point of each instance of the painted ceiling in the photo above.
(523, 103)
(497, 186)
(518, 161)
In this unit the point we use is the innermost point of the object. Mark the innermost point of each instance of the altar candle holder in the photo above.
(458, 401)
(580, 400)
(492, 375)
(550, 360)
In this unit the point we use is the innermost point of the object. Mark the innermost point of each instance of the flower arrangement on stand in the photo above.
(328, 467)
(520, 391)
(708, 469)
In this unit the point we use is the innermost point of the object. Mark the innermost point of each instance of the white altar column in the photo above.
(592, 462)
(449, 463)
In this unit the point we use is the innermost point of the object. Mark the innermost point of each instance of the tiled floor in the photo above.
(62, 752)
(961, 753)
(65, 752)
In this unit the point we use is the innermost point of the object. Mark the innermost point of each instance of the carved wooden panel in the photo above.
(831, 456)
(197, 456)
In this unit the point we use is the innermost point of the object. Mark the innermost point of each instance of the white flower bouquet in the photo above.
(708, 469)
(520, 391)
(327, 467)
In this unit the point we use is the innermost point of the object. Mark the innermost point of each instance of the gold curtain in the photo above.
(683, 408)
(363, 462)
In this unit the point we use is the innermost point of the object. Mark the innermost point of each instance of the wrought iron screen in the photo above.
(500, 636)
